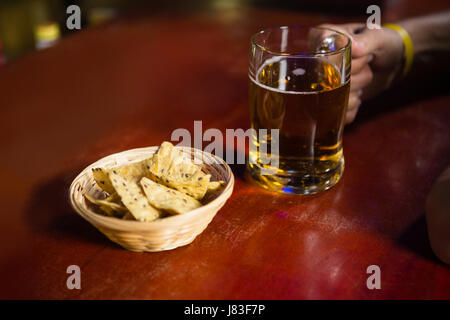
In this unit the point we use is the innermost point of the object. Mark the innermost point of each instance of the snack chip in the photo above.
(167, 199)
(102, 180)
(114, 197)
(161, 161)
(133, 198)
(194, 185)
(214, 186)
(170, 167)
(133, 171)
(107, 206)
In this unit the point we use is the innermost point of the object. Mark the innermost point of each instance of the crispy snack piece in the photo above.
(101, 177)
(168, 199)
(161, 161)
(170, 167)
(133, 171)
(107, 206)
(114, 197)
(215, 186)
(133, 197)
(194, 185)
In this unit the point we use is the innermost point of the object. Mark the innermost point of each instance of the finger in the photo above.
(359, 63)
(353, 107)
(350, 116)
(362, 79)
(351, 30)
(354, 101)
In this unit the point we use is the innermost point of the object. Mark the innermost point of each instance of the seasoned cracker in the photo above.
(168, 199)
(215, 186)
(133, 171)
(160, 163)
(110, 208)
(102, 179)
(171, 167)
(133, 197)
(194, 185)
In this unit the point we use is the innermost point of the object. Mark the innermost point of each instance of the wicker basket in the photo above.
(162, 234)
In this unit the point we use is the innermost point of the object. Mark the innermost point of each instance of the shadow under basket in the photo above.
(161, 234)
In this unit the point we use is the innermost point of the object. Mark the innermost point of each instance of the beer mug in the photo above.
(299, 81)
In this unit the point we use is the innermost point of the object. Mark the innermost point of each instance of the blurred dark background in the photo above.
(27, 25)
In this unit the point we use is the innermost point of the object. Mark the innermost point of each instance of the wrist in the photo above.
(415, 32)
(405, 51)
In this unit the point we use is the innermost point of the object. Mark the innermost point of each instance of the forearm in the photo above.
(431, 39)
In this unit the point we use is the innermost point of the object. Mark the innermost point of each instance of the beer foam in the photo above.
(273, 60)
(279, 90)
(296, 72)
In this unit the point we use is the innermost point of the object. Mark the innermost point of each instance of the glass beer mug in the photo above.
(299, 81)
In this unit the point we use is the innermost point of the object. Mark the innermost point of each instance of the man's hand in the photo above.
(376, 61)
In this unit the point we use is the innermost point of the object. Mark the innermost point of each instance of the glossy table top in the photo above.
(129, 84)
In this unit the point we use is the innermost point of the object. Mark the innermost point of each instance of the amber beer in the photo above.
(306, 99)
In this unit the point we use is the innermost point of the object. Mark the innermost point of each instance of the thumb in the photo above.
(351, 30)
(364, 41)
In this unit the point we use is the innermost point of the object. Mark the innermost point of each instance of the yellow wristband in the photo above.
(407, 43)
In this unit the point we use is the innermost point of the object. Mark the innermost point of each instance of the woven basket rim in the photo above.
(119, 224)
